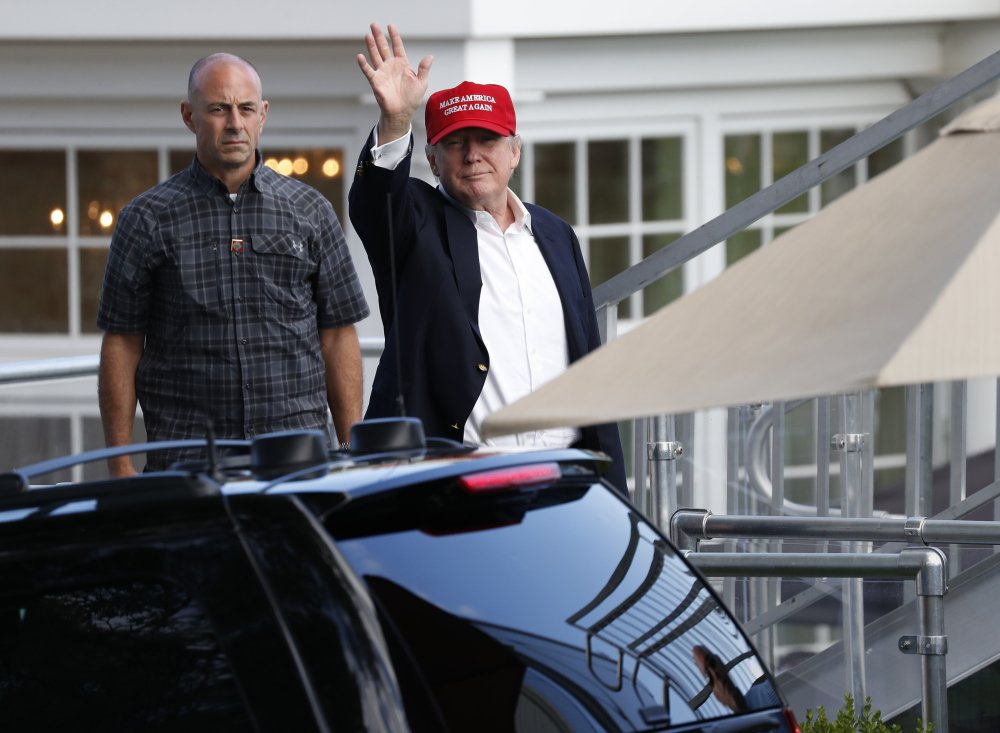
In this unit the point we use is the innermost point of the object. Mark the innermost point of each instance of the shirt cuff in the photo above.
(392, 153)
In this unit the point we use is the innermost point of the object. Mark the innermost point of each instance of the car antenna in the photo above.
(400, 400)
(390, 436)
(211, 450)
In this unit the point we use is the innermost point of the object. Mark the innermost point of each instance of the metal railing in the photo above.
(925, 565)
(71, 367)
(690, 527)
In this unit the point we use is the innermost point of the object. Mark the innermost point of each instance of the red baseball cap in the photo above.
(469, 105)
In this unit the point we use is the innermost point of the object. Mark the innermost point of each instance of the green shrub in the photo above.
(848, 720)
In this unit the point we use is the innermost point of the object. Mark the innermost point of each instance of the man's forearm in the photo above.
(116, 394)
(344, 377)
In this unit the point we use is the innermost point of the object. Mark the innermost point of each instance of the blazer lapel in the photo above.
(464, 250)
(564, 275)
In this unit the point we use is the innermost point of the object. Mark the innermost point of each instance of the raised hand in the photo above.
(399, 90)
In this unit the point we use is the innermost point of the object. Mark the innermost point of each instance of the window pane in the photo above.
(27, 440)
(555, 179)
(741, 244)
(607, 173)
(669, 287)
(33, 291)
(608, 257)
(92, 262)
(844, 181)
(885, 157)
(742, 167)
(180, 159)
(323, 169)
(662, 179)
(790, 152)
(109, 179)
(38, 208)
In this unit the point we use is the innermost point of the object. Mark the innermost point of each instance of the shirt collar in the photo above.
(259, 179)
(522, 217)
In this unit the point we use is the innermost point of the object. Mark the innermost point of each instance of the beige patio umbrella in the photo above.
(893, 283)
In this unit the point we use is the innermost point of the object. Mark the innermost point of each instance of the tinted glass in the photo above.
(129, 657)
(669, 287)
(38, 208)
(662, 179)
(33, 290)
(108, 180)
(555, 178)
(575, 612)
(92, 263)
(608, 257)
(742, 161)
(607, 176)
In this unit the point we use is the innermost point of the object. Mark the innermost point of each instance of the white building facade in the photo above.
(641, 120)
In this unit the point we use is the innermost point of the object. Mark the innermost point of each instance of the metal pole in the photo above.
(851, 445)
(662, 453)
(956, 456)
(932, 644)
(693, 525)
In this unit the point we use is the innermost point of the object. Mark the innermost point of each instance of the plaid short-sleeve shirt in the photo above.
(230, 296)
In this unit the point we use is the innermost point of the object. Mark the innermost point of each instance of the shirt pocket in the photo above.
(198, 271)
(285, 269)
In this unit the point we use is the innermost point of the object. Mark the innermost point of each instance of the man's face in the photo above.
(226, 114)
(474, 166)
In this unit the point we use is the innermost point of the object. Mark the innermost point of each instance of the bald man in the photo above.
(229, 297)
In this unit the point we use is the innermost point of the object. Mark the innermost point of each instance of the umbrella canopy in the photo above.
(893, 283)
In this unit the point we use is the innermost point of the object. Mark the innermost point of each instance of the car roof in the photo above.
(289, 462)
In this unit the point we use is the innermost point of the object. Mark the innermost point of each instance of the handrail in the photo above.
(689, 526)
(925, 565)
(71, 367)
(746, 212)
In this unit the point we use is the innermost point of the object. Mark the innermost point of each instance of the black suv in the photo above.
(406, 585)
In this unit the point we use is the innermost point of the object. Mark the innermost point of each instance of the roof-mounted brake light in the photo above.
(514, 477)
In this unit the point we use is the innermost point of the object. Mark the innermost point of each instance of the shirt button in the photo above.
(482, 367)
(244, 341)
(247, 386)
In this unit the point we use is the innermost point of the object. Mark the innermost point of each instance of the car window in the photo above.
(576, 613)
(130, 656)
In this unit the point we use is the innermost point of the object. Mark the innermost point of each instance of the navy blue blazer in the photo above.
(432, 326)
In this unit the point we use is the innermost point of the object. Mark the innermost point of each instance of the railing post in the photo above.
(662, 453)
(932, 644)
(851, 446)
